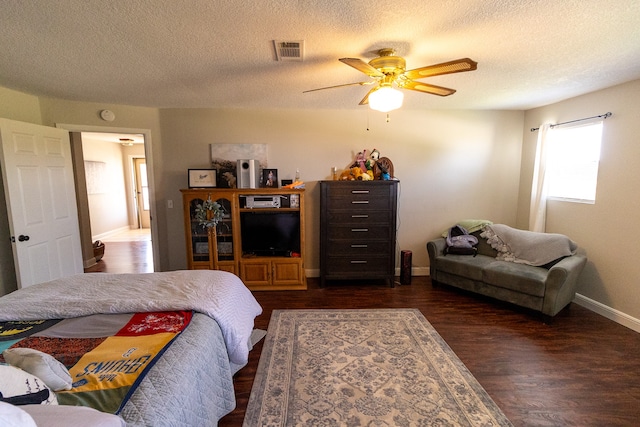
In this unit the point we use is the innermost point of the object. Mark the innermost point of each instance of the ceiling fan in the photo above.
(388, 69)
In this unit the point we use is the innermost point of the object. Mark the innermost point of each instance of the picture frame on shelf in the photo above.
(202, 178)
(269, 178)
(202, 248)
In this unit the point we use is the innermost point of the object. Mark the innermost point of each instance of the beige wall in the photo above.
(452, 165)
(107, 206)
(608, 230)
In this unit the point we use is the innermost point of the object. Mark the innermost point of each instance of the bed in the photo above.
(188, 381)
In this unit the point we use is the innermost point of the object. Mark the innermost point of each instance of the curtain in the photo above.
(538, 206)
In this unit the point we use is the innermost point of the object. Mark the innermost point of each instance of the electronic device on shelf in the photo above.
(262, 202)
(270, 233)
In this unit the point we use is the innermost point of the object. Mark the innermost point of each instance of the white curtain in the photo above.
(538, 206)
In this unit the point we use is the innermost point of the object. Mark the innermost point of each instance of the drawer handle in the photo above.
(359, 216)
(360, 202)
(358, 262)
(359, 246)
(359, 191)
(360, 230)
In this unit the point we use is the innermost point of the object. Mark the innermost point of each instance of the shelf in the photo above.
(224, 248)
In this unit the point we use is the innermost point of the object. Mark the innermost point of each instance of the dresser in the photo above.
(358, 230)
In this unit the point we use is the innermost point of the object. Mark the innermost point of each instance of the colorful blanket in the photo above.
(107, 355)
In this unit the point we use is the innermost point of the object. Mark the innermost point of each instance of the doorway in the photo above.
(118, 221)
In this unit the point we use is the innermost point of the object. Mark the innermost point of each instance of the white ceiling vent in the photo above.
(289, 50)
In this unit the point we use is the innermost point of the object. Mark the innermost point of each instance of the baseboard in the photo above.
(89, 262)
(608, 312)
(415, 271)
(110, 233)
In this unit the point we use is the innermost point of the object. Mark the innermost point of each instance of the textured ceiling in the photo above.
(219, 53)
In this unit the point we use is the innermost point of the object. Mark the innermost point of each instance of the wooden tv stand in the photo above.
(222, 249)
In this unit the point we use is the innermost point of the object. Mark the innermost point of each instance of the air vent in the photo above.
(289, 50)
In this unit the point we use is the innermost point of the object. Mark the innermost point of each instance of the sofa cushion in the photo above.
(517, 277)
(464, 265)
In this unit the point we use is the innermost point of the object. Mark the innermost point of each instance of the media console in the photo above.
(260, 237)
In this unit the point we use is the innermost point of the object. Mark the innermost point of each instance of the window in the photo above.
(573, 154)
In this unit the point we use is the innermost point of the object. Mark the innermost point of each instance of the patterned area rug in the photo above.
(385, 367)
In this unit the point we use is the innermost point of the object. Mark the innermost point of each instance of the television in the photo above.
(270, 233)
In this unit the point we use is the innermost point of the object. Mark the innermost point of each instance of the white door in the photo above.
(37, 175)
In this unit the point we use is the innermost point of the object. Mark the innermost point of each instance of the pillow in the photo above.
(22, 388)
(12, 416)
(42, 365)
(66, 416)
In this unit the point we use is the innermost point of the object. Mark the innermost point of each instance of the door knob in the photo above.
(23, 238)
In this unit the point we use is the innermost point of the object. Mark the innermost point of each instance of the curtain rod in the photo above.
(601, 116)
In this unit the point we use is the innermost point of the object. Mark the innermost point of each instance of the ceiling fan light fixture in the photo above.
(386, 99)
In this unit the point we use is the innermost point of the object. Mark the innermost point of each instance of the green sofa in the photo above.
(547, 289)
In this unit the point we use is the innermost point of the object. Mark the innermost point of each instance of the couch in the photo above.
(546, 289)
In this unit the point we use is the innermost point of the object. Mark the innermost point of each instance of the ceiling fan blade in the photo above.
(426, 88)
(346, 84)
(365, 100)
(457, 66)
(362, 66)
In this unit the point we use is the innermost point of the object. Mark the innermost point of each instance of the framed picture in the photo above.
(202, 248)
(269, 178)
(202, 178)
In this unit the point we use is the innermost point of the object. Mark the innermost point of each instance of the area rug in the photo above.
(386, 367)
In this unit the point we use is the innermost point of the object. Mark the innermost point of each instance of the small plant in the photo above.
(209, 213)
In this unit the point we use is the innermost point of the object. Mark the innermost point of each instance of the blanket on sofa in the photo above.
(527, 247)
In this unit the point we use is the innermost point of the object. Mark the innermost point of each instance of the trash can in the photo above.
(405, 267)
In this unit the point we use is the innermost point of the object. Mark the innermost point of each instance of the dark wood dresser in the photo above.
(358, 230)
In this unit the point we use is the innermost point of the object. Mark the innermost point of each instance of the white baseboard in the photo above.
(608, 312)
(415, 271)
(110, 233)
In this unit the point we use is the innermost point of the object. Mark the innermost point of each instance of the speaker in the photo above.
(248, 172)
(405, 267)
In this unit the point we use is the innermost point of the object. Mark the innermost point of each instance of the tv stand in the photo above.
(221, 249)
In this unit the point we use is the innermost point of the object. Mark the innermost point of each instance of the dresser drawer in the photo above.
(360, 202)
(359, 217)
(356, 232)
(369, 265)
(360, 247)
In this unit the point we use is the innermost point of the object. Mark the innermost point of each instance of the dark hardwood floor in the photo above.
(125, 257)
(581, 370)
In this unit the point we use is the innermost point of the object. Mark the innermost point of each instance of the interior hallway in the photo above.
(127, 252)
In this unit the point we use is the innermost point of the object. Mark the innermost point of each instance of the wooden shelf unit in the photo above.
(221, 249)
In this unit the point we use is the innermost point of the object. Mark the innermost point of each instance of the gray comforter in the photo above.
(191, 384)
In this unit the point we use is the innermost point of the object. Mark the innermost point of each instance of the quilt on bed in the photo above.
(106, 355)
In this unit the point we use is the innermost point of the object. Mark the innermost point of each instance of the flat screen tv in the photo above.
(270, 233)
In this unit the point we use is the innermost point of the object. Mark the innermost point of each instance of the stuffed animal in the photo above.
(361, 159)
(356, 174)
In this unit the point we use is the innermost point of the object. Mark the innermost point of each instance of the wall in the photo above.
(107, 198)
(452, 165)
(608, 229)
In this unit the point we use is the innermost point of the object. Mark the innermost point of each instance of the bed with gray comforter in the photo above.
(192, 381)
